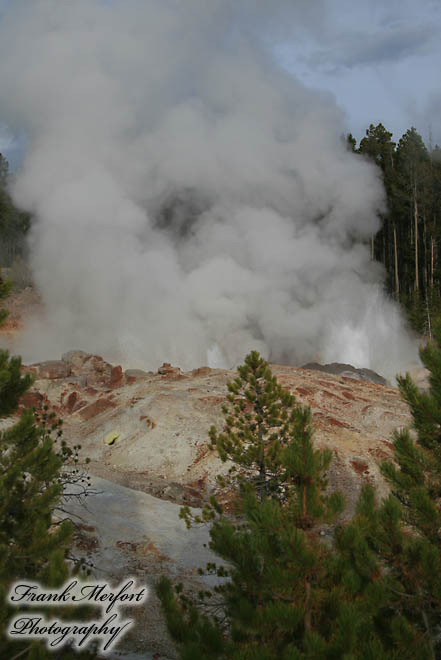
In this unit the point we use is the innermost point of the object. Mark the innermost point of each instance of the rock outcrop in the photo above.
(347, 370)
(162, 421)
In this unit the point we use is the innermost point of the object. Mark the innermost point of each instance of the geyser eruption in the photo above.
(192, 200)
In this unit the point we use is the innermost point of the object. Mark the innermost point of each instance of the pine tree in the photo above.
(278, 596)
(391, 553)
(31, 545)
(415, 479)
(14, 223)
(258, 416)
(367, 563)
(371, 591)
(408, 241)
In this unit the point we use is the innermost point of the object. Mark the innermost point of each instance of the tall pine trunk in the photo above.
(397, 279)
(415, 211)
(432, 260)
(262, 470)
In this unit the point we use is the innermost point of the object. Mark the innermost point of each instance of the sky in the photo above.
(379, 59)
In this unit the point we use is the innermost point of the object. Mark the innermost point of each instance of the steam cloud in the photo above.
(193, 201)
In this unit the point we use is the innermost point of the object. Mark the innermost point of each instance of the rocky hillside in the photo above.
(158, 422)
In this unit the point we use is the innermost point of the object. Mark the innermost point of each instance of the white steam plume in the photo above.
(191, 199)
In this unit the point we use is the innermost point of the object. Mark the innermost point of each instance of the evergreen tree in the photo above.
(277, 597)
(29, 491)
(258, 416)
(14, 223)
(31, 545)
(415, 479)
(351, 142)
(378, 146)
(373, 591)
(413, 166)
(4, 171)
(410, 234)
(394, 550)
(369, 559)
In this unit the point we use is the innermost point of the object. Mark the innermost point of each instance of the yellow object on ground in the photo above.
(111, 438)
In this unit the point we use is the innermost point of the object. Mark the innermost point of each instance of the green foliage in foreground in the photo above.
(290, 586)
(32, 545)
(416, 485)
(12, 383)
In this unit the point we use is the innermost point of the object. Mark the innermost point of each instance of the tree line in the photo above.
(409, 241)
(14, 223)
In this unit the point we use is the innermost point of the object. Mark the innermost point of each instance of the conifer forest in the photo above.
(409, 239)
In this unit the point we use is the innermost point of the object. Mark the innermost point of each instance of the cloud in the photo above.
(378, 59)
(353, 49)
